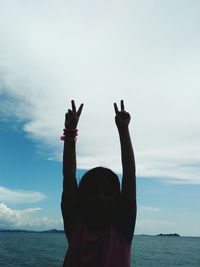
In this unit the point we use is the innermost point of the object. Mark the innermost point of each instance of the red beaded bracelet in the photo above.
(69, 134)
(70, 131)
(68, 138)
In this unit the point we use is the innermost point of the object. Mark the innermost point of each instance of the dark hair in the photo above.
(97, 178)
(98, 192)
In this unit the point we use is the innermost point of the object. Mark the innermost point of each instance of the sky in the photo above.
(146, 52)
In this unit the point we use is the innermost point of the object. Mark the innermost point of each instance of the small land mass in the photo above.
(30, 231)
(56, 231)
(175, 234)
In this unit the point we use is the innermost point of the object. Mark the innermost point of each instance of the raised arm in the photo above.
(69, 152)
(122, 120)
(70, 187)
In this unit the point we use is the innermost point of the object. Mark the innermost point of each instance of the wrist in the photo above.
(124, 133)
(69, 135)
(123, 129)
(68, 139)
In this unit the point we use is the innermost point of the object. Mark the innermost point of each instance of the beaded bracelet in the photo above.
(69, 134)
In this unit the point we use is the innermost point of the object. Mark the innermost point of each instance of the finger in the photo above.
(80, 110)
(122, 105)
(116, 108)
(73, 106)
(70, 112)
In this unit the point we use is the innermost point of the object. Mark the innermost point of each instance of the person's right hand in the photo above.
(122, 118)
(72, 116)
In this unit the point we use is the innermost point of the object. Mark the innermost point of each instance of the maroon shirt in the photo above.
(107, 248)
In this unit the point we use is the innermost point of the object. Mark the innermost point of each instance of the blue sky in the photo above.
(145, 52)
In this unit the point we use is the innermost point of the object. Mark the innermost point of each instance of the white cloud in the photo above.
(26, 219)
(99, 53)
(19, 196)
(148, 209)
(10, 217)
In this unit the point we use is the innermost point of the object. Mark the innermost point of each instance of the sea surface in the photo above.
(48, 249)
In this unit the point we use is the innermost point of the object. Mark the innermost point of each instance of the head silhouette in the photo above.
(98, 190)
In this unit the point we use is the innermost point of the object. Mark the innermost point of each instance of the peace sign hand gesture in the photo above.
(72, 116)
(122, 117)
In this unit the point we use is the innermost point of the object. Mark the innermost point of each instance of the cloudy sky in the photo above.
(97, 52)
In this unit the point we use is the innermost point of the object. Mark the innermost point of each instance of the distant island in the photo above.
(175, 234)
(31, 231)
(56, 231)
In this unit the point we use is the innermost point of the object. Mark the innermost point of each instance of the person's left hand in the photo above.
(122, 117)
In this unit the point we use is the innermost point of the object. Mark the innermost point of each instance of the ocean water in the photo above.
(48, 249)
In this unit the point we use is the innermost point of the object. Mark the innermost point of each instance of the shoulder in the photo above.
(125, 206)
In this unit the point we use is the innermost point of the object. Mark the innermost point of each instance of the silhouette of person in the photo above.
(99, 218)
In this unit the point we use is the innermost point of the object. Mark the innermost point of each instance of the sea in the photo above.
(48, 249)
